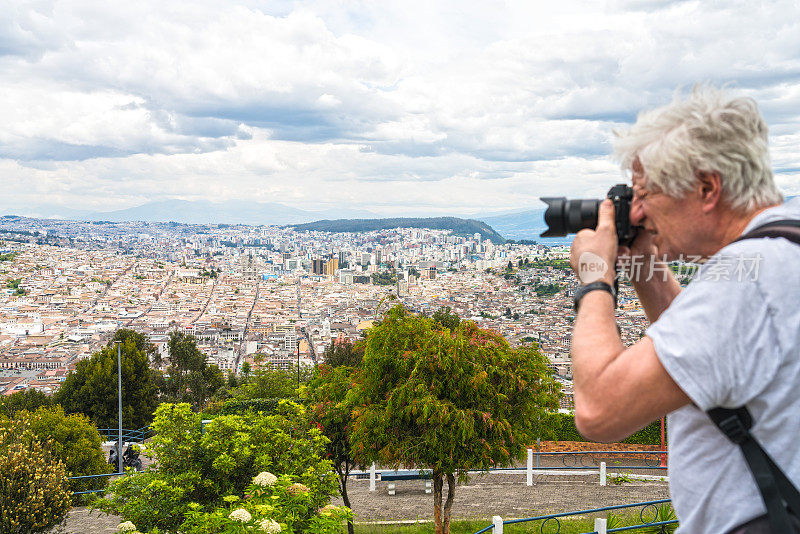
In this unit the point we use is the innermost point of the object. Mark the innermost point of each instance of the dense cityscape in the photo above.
(263, 295)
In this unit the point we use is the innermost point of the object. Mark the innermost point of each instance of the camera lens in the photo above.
(569, 216)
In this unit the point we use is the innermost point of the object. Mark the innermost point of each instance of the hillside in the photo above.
(462, 227)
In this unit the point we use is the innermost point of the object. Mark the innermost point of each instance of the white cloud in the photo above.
(391, 106)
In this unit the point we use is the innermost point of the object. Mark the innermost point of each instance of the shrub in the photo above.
(34, 494)
(196, 467)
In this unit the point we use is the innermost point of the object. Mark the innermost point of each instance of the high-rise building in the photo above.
(331, 266)
(290, 341)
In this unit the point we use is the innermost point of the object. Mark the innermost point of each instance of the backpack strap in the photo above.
(776, 489)
(787, 228)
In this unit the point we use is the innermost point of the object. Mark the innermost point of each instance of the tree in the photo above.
(28, 399)
(326, 394)
(92, 388)
(445, 318)
(189, 376)
(268, 382)
(447, 402)
(344, 353)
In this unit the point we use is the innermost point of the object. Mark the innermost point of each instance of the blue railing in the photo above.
(104, 475)
(138, 435)
(647, 506)
(112, 434)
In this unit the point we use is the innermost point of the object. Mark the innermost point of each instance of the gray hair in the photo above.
(707, 132)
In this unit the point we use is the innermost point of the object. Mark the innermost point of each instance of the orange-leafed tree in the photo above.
(446, 400)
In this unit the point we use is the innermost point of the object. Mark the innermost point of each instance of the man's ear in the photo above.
(709, 188)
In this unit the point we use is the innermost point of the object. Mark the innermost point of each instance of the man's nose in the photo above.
(637, 211)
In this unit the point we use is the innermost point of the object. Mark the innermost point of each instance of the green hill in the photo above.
(462, 227)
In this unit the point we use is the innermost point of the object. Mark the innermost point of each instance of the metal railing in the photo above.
(112, 434)
(591, 459)
(577, 461)
(104, 475)
(128, 435)
(648, 508)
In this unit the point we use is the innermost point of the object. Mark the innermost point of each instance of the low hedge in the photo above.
(562, 426)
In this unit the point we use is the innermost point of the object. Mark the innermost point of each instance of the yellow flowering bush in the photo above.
(34, 491)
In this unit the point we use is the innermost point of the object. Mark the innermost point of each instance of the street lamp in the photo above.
(119, 404)
(298, 367)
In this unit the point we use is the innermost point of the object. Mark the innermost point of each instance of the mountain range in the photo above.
(196, 212)
(462, 227)
(518, 225)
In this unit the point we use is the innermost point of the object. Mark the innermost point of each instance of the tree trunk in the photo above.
(437, 502)
(343, 491)
(448, 505)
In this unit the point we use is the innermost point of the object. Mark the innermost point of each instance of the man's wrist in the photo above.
(599, 285)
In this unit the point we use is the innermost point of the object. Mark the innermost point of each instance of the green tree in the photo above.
(189, 377)
(446, 318)
(92, 388)
(28, 399)
(447, 402)
(344, 353)
(326, 394)
(75, 441)
(268, 382)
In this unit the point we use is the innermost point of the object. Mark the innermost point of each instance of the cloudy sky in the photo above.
(404, 107)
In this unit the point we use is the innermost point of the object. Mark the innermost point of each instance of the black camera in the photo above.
(570, 216)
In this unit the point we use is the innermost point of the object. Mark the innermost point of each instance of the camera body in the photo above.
(571, 216)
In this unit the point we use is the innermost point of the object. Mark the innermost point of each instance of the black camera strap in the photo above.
(776, 489)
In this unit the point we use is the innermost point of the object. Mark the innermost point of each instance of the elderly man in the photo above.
(701, 178)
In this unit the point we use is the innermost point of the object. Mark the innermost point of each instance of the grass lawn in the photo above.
(568, 526)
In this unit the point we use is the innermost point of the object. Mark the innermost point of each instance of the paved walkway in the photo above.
(485, 495)
(505, 495)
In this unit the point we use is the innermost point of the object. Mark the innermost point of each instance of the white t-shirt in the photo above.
(732, 338)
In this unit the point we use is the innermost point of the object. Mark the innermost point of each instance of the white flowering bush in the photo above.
(270, 506)
(241, 515)
(265, 478)
(270, 526)
(126, 526)
(201, 470)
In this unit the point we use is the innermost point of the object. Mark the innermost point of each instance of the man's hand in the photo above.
(637, 260)
(594, 252)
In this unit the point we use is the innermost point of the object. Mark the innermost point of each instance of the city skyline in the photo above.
(413, 109)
